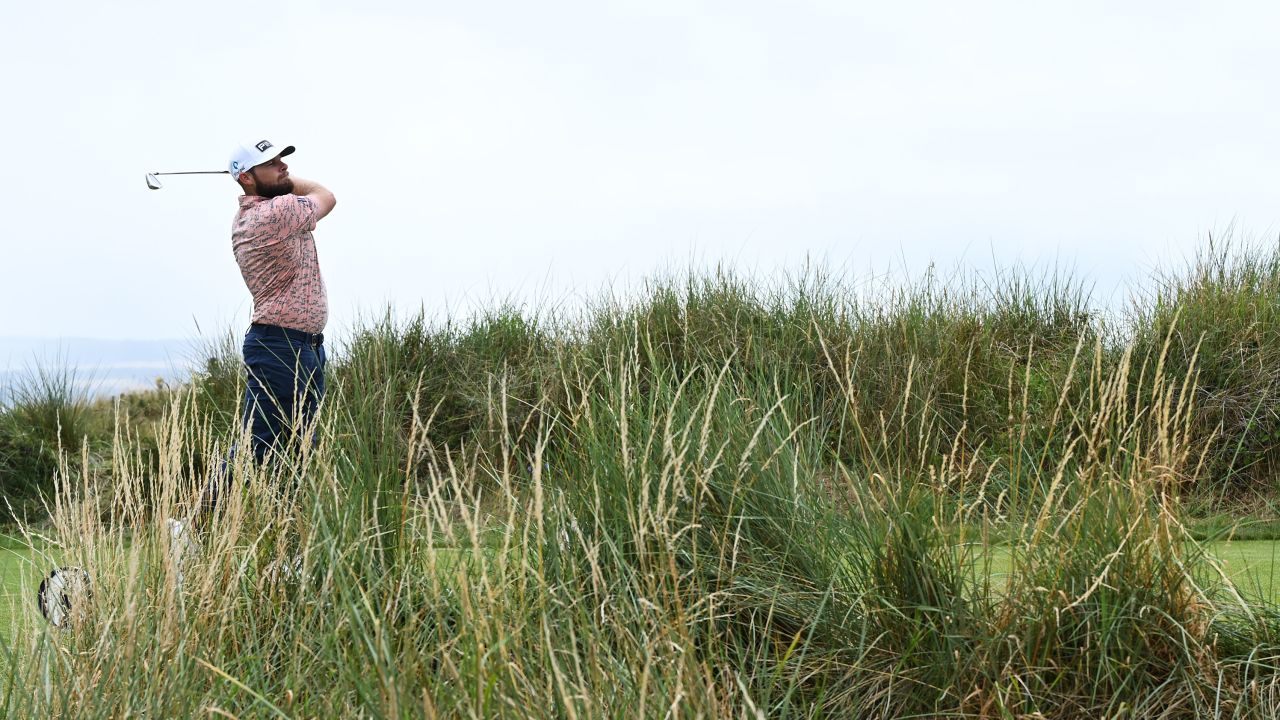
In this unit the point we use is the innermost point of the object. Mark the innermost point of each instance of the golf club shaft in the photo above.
(195, 172)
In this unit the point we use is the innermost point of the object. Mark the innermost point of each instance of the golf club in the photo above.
(67, 589)
(153, 181)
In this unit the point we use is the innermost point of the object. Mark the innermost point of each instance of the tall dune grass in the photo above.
(1223, 315)
(47, 411)
(719, 501)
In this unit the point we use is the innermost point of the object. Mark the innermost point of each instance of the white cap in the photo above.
(248, 155)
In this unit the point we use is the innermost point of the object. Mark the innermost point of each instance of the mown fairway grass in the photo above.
(13, 559)
(20, 573)
(1253, 567)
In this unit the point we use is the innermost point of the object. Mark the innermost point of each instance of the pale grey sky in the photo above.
(495, 149)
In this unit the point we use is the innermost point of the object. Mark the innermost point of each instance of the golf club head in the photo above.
(153, 182)
(64, 594)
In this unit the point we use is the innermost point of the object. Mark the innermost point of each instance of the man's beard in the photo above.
(284, 187)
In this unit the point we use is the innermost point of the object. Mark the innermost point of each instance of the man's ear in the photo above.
(248, 182)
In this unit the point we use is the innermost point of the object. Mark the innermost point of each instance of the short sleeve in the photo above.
(294, 213)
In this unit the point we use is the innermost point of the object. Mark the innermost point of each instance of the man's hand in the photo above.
(313, 190)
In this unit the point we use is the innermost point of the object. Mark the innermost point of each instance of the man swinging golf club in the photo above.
(283, 348)
(273, 245)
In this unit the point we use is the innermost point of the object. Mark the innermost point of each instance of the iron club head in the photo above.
(153, 182)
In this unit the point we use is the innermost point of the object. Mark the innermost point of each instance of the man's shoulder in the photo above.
(248, 202)
(284, 215)
(263, 207)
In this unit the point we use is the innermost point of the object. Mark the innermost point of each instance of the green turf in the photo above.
(1237, 527)
(1253, 565)
(19, 577)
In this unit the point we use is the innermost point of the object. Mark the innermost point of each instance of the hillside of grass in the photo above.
(725, 496)
(976, 370)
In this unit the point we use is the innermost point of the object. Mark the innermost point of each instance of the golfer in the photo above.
(273, 245)
(284, 346)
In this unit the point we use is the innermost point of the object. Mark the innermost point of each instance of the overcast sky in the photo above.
(500, 149)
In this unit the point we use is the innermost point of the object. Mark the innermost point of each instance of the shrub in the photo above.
(1221, 315)
(49, 412)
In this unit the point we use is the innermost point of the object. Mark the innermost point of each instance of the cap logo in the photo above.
(262, 146)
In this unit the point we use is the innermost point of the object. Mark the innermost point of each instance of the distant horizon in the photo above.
(99, 367)
(91, 338)
(18, 350)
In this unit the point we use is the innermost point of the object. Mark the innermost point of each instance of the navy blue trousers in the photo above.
(281, 398)
(285, 386)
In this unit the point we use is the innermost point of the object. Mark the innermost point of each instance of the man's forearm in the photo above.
(302, 186)
(317, 192)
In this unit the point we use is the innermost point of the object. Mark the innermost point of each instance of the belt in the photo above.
(298, 336)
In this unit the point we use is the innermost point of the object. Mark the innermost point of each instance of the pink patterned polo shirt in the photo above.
(272, 241)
